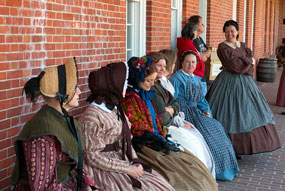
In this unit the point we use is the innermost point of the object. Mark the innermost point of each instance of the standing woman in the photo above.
(111, 161)
(185, 42)
(181, 169)
(168, 109)
(281, 90)
(49, 147)
(198, 42)
(189, 95)
(237, 102)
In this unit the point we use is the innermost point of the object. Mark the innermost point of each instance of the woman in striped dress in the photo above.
(110, 159)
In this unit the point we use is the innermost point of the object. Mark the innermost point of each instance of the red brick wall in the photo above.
(281, 26)
(38, 33)
(189, 8)
(276, 23)
(240, 18)
(158, 25)
(218, 12)
(259, 28)
(249, 23)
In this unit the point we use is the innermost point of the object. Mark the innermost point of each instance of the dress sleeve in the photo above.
(176, 84)
(159, 104)
(40, 157)
(95, 142)
(234, 62)
(203, 105)
(173, 103)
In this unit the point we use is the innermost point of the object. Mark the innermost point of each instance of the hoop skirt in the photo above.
(237, 102)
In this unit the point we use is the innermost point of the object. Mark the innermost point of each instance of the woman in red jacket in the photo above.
(184, 43)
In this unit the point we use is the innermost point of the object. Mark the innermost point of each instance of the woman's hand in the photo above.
(135, 170)
(188, 125)
(170, 110)
(207, 114)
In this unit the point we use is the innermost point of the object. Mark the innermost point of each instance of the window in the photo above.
(136, 29)
(176, 21)
(203, 14)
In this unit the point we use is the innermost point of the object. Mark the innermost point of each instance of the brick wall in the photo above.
(189, 8)
(281, 26)
(259, 28)
(218, 12)
(240, 18)
(38, 33)
(249, 23)
(158, 25)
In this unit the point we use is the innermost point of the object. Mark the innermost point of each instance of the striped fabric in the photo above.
(107, 169)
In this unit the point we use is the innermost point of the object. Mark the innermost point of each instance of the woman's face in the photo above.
(161, 68)
(231, 33)
(201, 26)
(189, 64)
(149, 81)
(74, 102)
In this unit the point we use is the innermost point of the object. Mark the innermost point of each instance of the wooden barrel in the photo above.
(266, 70)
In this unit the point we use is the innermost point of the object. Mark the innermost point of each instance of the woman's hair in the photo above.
(171, 58)
(188, 31)
(186, 53)
(156, 56)
(150, 70)
(194, 19)
(231, 23)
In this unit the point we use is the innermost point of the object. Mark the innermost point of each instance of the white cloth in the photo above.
(167, 85)
(192, 140)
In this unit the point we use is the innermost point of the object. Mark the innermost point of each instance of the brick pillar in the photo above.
(249, 23)
(158, 25)
(275, 26)
(267, 28)
(240, 18)
(281, 26)
(259, 28)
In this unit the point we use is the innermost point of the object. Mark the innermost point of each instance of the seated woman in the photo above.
(189, 95)
(49, 147)
(110, 158)
(168, 109)
(236, 100)
(182, 169)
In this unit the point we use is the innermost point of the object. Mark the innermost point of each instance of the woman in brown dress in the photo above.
(237, 102)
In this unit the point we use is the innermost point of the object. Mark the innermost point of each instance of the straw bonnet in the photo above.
(57, 81)
(54, 76)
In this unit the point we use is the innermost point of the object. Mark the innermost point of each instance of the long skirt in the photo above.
(192, 140)
(281, 90)
(237, 102)
(218, 141)
(182, 170)
(108, 180)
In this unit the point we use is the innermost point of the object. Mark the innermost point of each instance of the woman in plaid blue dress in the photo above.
(189, 95)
